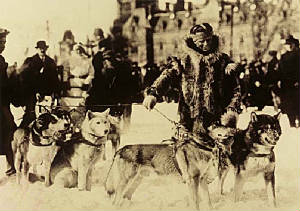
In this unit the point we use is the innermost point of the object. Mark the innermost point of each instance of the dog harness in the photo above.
(36, 138)
(77, 138)
(187, 137)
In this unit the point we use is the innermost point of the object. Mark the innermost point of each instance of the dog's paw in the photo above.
(47, 183)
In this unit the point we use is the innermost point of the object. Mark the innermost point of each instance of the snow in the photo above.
(158, 192)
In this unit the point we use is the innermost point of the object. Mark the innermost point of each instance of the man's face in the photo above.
(202, 42)
(2, 44)
(42, 51)
(98, 38)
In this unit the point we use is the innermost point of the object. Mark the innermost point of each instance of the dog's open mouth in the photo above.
(63, 131)
(269, 142)
(61, 134)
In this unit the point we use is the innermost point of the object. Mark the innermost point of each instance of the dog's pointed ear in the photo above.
(278, 115)
(106, 112)
(89, 114)
(213, 126)
(253, 117)
(38, 97)
(55, 103)
(54, 100)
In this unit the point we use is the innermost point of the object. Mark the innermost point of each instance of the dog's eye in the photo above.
(105, 122)
(98, 123)
(220, 135)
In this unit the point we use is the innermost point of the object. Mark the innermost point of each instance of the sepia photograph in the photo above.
(149, 105)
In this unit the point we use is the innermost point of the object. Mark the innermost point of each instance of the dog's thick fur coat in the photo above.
(73, 165)
(36, 144)
(132, 162)
(252, 152)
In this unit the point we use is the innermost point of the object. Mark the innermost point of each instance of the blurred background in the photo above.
(153, 29)
(33, 20)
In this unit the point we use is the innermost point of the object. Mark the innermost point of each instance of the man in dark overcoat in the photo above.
(289, 69)
(39, 75)
(8, 125)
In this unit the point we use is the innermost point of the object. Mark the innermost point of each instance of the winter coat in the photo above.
(205, 90)
(289, 68)
(4, 82)
(111, 84)
(40, 77)
(7, 124)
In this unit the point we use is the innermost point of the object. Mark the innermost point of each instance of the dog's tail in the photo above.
(111, 179)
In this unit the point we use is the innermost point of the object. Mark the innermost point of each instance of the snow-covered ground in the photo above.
(156, 192)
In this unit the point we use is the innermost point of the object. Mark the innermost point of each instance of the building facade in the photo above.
(155, 28)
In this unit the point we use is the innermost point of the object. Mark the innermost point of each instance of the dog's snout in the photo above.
(105, 131)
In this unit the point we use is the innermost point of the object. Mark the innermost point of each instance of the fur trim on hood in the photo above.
(196, 55)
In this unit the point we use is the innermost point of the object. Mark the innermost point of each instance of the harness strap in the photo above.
(201, 146)
(38, 144)
(78, 139)
(36, 138)
(83, 141)
(252, 154)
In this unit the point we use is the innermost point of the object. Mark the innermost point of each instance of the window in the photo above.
(179, 24)
(164, 25)
(175, 45)
(136, 20)
(194, 21)
(134, 50)
(132, 29)
(161, 46)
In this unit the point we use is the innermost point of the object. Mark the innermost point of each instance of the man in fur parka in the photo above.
(205, 78)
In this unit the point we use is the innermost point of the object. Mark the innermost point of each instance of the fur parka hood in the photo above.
(190, 51)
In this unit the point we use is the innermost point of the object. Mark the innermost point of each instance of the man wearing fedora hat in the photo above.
(8, 125)
(39, 75)
(289, 68)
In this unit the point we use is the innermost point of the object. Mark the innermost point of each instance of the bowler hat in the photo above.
(41, 44)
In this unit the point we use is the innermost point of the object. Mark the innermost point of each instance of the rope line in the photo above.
(84, 106)
(187, 134)
(166, 117)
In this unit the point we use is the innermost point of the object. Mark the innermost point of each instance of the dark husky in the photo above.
(252, 152)
(188, 158)
(37, 144)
